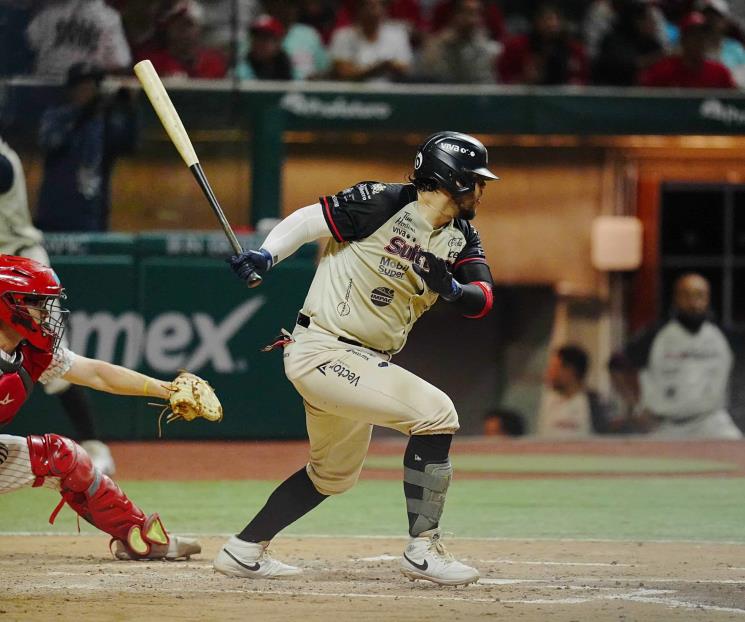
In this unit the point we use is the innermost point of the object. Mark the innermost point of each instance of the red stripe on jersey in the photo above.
(487, 303)
(330, 220)
(468, 260)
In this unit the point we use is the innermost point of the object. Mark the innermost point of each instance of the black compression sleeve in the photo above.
(476, 300)
(293, 498)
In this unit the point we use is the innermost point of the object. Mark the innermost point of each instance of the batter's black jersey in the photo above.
(364, 288)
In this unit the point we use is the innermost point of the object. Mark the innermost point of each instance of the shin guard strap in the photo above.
(428, 509)
(433, 482)
(425, 480)
(55, 511)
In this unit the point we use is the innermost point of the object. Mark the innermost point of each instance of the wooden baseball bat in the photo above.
(168, 116)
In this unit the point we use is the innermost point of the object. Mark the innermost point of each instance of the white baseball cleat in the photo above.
(178, 547)
(101, 457)
(252, 560)
(425, 557)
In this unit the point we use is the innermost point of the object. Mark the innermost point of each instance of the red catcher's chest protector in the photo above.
(17, 379)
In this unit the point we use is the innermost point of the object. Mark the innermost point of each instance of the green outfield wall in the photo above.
(161, 303)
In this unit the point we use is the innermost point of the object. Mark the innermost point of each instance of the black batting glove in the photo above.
(436, 274)
(249, 263)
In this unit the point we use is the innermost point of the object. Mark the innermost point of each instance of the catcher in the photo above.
(31, 325)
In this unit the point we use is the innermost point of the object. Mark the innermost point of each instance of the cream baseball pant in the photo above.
(347, 390)
(15, 466)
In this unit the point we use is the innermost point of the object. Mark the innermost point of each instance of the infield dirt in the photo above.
(72, 578)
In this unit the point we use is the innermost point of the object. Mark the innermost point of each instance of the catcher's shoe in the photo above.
(425, 557)
(178, 547)
(249, 559)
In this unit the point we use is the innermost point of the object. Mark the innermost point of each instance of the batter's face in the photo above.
(468, 203)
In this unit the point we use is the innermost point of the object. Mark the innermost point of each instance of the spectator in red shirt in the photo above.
(691, 68)
(546, 55)
(176, 48)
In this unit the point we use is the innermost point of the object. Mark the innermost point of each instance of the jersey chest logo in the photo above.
(400, 247)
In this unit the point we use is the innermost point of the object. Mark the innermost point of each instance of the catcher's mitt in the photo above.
(191, 397)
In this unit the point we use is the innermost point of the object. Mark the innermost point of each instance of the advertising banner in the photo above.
(161, 314)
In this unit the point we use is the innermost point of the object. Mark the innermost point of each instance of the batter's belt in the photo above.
(304, 321)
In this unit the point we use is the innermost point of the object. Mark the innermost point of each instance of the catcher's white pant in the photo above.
(15, 466)
(347, 389)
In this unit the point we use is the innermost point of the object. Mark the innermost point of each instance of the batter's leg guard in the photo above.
(94, 496)
(427, 475)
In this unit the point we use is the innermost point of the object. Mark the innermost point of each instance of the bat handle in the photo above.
(254, 280)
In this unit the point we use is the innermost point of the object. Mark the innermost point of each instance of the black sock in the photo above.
(422, 450)
(293, 498)
(78, 409)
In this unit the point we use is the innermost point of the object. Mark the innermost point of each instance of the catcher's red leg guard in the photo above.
(92, 495)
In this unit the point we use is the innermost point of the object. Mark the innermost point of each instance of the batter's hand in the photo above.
(436, 274)
(249, 263)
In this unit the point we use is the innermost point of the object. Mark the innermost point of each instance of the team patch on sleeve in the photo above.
(358, 211)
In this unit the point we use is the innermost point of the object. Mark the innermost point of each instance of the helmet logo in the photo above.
(418, 160)
(458, 149)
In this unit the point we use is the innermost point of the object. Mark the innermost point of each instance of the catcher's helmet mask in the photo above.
(30, 295)
(456, 162)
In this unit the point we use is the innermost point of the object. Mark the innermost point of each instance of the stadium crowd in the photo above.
(664, 43)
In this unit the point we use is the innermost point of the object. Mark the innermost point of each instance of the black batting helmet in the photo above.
(454, 161)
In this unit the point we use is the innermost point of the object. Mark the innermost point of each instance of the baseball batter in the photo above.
(31, 326)
(395, 249)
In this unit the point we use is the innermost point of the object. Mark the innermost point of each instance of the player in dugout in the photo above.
(31, 327)
(395, 249)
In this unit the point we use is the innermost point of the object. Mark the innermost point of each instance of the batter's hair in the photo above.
(424, 185)
(575, 357)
